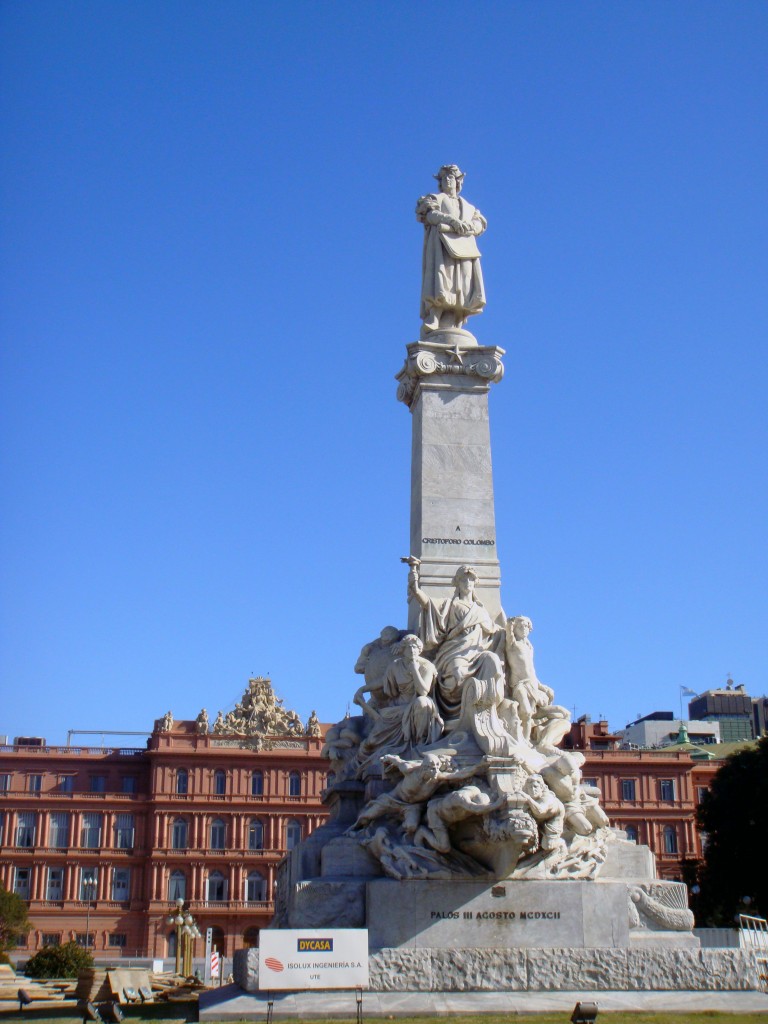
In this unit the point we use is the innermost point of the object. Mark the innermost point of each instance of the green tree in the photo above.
(13, 921)
(59, 961)
(734, 816)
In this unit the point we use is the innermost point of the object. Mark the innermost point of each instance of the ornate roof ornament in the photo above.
(259, 713)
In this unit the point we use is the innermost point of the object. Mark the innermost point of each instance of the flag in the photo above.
(685, 692)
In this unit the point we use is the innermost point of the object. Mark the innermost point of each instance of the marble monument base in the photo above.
(541, 970)
(624, 931)
(527, 914)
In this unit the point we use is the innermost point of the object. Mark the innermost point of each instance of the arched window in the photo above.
(255, 887)
(217, 887)
(257, 784)
(177, 886)
(219, 782)
(294, 784)
(218, 835)
(172, 943)
(631, 831)
(251, 938)
(255, 835)
(292, 833)
(670, 839)
(179, 833)
(182, 780)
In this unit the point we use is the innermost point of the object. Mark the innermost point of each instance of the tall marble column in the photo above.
(445, 384)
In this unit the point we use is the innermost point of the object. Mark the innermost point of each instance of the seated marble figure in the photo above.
(403, 713)
(460, 635)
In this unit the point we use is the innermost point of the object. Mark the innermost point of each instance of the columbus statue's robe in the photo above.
(452, 280)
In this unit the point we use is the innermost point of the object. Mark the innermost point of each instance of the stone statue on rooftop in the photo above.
(165, 724)
(452, 282)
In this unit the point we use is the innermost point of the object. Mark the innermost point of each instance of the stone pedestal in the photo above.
(627, 931)
(455, 914)
(469, 969)
(306, 860)
(445, 384)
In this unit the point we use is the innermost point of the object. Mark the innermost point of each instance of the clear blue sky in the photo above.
(210, 269)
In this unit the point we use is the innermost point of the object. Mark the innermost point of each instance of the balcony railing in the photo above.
(79, 851)
(169, 851)
(80, 905)
(22, 748)
(222, 906)
(108, 853)
(232, 905)
(250, 798)
(637, 755)
(69, 795)
(678, 805)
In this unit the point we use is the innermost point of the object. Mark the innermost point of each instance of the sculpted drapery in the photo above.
(462, 636)
(452, 281)
(409, 718)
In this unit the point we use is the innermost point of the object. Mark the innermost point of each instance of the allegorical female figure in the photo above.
(467, 643)
(452, 282)
(409, 719)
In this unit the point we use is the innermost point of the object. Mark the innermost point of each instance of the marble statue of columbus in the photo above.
(452, 281)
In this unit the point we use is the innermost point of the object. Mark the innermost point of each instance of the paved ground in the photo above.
(231, 1003)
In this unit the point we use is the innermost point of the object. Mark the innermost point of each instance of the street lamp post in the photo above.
(186, 933)
(190, 932)
(89, 884)
(178, 920)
